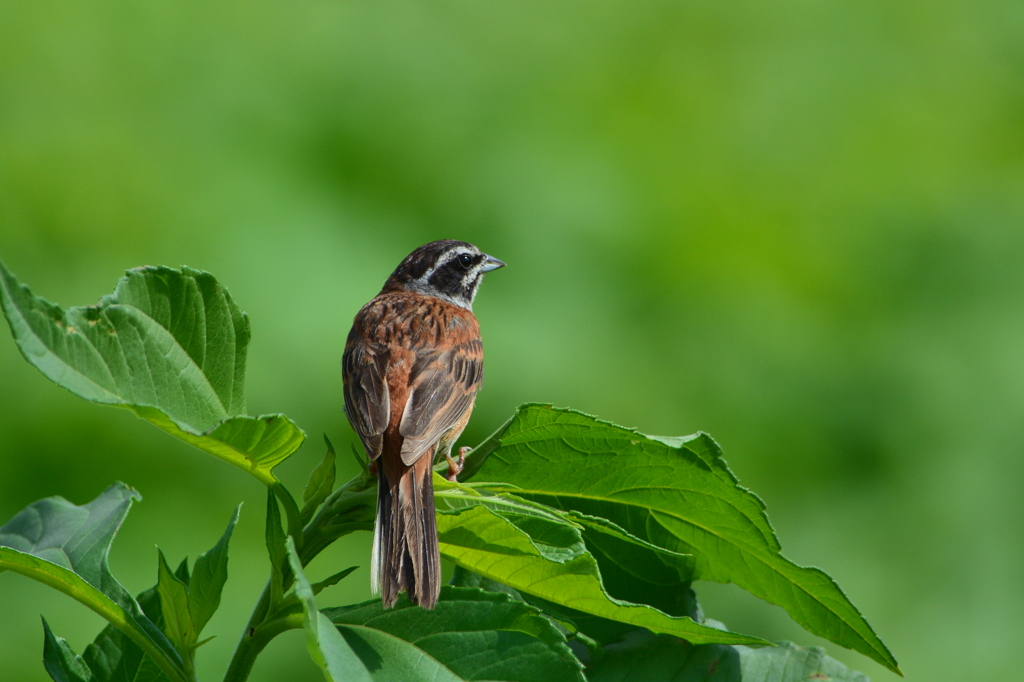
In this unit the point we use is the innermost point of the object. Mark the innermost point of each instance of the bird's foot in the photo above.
(455, 468)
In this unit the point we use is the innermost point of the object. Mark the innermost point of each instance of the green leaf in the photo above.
(320, 485)
(181, 572)
(174, 606)
(677, 494)
(469, 635)
(180, 324)
(555, 567)
(208, 578)
(66, 547)
(168, 344)
(631, 570)
(360, 458)
(327, 647)
(552, 533)
(661, 658)
(638, 560)
(545, 522)
(788, 662)
(62, 664)
(464, 578)
(332, 580)
(679, 601)
(113, 657)
(253, 444)
(275, 536)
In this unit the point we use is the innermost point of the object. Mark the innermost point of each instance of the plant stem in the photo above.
(246, 651)
(257, 637)
(350, 508)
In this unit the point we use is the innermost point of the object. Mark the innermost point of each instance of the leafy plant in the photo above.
(575, 545)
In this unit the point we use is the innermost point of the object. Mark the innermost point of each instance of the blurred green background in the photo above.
(795, 225)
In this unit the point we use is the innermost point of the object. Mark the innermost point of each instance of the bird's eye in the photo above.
(465, 260)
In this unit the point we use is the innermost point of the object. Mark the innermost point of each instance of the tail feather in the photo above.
(405, 551)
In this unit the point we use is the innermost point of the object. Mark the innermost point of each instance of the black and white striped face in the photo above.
(448, 269)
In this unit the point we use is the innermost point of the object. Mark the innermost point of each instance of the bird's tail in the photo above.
(405, 552)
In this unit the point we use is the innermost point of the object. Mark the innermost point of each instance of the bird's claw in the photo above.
(455, 468)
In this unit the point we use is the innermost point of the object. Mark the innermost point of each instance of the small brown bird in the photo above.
(413, 363)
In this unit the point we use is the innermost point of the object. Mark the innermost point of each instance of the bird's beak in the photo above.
(491, 263)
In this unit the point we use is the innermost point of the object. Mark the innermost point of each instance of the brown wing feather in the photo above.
(367, 399)
(442, 391)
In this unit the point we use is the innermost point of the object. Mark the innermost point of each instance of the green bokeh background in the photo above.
(795, 225)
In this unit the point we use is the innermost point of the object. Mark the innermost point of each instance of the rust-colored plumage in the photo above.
(412, 366)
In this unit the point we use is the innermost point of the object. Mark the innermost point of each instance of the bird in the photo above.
(412, 365)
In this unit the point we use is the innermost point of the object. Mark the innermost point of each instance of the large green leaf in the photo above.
(66, 547)
(556, 535)
(548, 559)
(678, 494)
(168, 344)
(660, 569)
(788, 662)
(469, 635)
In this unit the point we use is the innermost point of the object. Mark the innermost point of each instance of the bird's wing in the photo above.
(367, 400)
(443, 385)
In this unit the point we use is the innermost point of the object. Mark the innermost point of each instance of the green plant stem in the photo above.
(245, 651)
(272, 628)
(341, 515)
(256, 637)
(254, 643)
(349, 508)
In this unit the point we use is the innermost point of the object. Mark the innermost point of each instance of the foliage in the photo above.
(576, 550)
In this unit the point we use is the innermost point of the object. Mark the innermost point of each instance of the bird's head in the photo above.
(448, 269)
